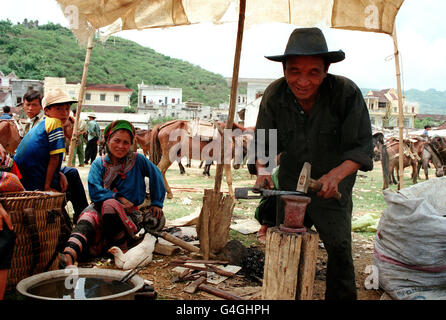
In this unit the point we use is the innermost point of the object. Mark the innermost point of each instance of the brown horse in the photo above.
(431, 154)
(390, 151)
(9, 135)
(439, 144)
(143, 139)
(170, 141)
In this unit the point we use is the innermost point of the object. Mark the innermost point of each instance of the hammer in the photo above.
(305, 182)
(199, 284)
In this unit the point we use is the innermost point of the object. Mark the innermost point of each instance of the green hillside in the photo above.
(52, 51)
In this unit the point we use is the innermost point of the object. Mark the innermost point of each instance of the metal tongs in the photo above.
(243, 193)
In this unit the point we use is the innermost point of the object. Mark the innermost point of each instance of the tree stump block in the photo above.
(214, 222)
(290, 265)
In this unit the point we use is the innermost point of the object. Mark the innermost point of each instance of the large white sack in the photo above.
(410, 245)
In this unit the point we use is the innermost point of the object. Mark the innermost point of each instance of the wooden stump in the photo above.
(214, 222)
(290, 265)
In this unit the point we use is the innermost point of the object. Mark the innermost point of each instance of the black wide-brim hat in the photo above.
(308, 42)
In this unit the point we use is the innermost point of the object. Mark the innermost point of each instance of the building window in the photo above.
(102, 97)
(144, 99)
(88, 96)
(116, 97)
(19, 99)
(173, 100)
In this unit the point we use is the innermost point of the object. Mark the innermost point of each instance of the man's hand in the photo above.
(4, 216)
(63, 182)
(156, 212)
(331, 180)
(329, 187)
(264, 182)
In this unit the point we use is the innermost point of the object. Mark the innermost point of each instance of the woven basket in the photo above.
(39, 222)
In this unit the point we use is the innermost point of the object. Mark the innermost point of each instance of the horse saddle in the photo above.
(204, 129)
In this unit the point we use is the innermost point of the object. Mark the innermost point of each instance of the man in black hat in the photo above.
(322, 119)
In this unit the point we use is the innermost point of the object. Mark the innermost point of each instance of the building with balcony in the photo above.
(383, 109)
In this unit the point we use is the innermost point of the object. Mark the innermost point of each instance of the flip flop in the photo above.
(261, 238)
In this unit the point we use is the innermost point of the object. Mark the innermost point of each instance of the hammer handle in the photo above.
(316, 186)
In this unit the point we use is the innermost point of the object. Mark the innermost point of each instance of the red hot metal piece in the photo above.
(294, 209)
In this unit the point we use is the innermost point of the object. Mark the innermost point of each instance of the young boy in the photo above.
(40, 153)
(32, 105)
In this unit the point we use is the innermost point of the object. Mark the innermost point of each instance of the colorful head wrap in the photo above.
(119, 125)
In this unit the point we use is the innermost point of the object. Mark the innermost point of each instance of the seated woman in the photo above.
(116, 186)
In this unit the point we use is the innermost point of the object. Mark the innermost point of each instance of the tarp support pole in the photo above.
(80, 100)
(234, 87)
(400, 111)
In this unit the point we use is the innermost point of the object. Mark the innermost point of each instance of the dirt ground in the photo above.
(160, 273)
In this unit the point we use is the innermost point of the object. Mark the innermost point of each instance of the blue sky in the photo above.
(421, 31)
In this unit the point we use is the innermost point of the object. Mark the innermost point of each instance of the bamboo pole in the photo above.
(400, 111)
(80, 101)
(233, 99)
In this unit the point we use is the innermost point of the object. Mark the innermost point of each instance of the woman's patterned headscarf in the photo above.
(119, 125)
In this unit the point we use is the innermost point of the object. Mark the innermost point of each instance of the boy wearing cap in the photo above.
(40, 153)
(322, 119)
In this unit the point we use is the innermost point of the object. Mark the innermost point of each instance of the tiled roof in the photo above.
(378, 94)
(108, 87)
(12, 75)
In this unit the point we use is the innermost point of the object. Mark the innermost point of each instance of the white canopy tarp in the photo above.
(86, 16)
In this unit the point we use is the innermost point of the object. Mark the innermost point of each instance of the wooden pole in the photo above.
(80, 101)
(400, 111)
(215, 216)
(233, 98)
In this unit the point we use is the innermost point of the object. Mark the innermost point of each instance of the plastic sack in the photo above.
(366, 223)
(410, 244)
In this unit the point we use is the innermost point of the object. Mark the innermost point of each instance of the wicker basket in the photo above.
(40, 225)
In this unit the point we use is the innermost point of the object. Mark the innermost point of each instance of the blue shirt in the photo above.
(133, 187)
(33, 153)
(6, 116)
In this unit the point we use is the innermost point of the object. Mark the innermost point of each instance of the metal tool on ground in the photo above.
(306, 183)
(175, 240)
(243, 193)
(208, 268)
(133, 271)
(199, 284)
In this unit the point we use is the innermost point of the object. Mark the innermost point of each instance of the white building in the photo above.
(248, 103)
(150, 95)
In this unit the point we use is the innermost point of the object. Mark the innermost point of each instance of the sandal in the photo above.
(261, 234)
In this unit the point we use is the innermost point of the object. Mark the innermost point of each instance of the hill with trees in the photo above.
(35, 52)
